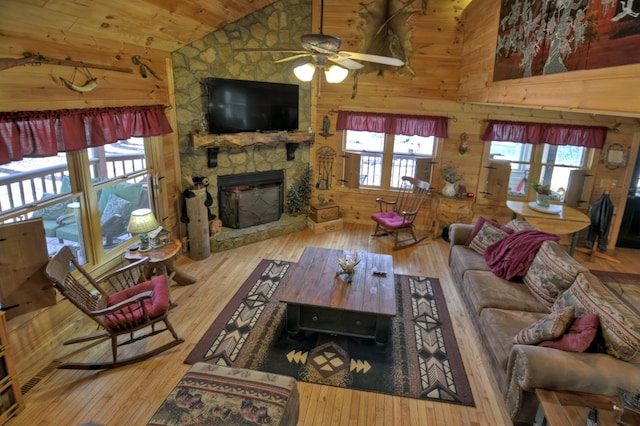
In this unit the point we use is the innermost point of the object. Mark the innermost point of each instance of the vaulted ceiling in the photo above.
(161, 24)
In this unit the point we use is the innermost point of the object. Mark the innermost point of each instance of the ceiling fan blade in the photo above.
(345, 62)
(371, 58)
(246, 50)
(291, 58)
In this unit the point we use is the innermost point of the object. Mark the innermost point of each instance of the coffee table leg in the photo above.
(293, 319)
(383, 325)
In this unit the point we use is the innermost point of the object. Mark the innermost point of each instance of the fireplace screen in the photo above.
(249, 199)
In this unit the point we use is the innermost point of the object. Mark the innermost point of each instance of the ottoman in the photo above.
(216, 395)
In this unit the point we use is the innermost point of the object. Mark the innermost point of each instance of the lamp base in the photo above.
(144, 243)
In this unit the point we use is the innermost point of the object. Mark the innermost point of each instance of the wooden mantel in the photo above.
(240, 140)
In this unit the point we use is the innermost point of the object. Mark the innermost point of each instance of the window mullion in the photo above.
(387, 161)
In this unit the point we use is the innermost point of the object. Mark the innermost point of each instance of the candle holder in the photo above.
(347, 263)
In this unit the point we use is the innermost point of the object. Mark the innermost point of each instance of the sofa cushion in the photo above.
(478, 225)
(498, 326)
(519, 225)
(552, 271)
(463, 259)
(116, 206)
(484, 290)
(578, 337)
(619, 315)
(549, 327)
(487, 235)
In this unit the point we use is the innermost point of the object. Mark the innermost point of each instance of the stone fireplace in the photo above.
(250, 199)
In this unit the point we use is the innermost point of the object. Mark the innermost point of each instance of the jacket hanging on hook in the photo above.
(600, 212)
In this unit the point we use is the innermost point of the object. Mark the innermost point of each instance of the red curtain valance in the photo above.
(396, 124)
(538, 133)
(45, 133)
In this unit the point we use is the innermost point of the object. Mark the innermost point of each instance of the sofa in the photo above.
(554, 326)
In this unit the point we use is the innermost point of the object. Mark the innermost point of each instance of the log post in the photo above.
(198, 226)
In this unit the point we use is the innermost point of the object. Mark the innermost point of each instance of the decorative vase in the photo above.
(542, 200)
(449, 189)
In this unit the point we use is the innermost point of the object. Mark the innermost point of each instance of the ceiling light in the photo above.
(305, 72)
(336, 74)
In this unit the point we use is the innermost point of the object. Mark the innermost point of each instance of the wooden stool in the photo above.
(232, 395)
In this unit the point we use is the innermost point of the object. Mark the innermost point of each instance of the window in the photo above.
(543, 163)
(84, 198)
(385, 158)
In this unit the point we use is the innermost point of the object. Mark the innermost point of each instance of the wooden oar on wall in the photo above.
(37, 59)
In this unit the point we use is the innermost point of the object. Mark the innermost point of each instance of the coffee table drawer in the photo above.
(338, 322)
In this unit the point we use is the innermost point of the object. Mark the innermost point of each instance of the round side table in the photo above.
(161, 262)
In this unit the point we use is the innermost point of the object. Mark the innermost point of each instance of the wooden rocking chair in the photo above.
(397, 217)
(135, 304)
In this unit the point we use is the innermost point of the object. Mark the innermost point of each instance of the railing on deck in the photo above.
(24, 188)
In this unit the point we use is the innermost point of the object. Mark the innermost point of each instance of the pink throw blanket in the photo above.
(511, 256)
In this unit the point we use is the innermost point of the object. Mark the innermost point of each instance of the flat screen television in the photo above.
(251, 106)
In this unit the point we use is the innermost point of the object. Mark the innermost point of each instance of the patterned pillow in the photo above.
(487, 235)
(476, 228)
(116, 206)
(552, 271)
(578, 337)
(549, 327)
(519, 225)
(51, 212)
(619, 318)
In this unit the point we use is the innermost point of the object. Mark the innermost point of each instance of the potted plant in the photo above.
(543, 193)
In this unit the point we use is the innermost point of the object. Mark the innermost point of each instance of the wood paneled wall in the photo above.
(450, 44)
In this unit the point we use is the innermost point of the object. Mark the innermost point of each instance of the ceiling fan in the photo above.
(322, 49)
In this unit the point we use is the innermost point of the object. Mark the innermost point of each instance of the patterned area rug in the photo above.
(421, 360)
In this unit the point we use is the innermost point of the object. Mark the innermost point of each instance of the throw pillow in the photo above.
(551, 272)
(476, 228)
(115, 206)
(51, 212)
(578, 337)
(519, 225)
(619, 319)
(549, 327)
(487, 235)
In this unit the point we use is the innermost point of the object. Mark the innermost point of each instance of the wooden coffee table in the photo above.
(318, 300)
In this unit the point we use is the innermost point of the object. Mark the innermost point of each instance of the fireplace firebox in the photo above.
(249, 199)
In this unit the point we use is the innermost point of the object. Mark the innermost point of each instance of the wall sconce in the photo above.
(142, 222)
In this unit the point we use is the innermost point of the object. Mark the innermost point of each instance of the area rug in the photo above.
(421, 360)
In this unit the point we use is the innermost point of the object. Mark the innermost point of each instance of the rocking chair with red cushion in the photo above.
(136, 304)
(397, 217)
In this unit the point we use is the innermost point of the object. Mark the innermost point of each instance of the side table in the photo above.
(563, 408)
(452, 210)
(161, 260)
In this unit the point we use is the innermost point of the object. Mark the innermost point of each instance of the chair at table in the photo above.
(398, 216)
(132, 304)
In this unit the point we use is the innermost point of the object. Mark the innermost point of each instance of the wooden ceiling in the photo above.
(160, 24)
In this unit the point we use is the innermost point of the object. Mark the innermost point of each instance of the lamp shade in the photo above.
(336, 74)
(142, 221)
(305, 72)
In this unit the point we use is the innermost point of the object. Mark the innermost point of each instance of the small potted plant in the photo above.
(451, 178)
(543, 193)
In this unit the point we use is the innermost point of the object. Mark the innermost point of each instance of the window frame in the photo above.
(85, 192)
(536, 165)
(388, 158)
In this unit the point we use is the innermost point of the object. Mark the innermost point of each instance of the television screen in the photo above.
(251, 106)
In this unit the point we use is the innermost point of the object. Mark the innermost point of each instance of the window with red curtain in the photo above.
(539, 133)
(45, 133)
(393, 124)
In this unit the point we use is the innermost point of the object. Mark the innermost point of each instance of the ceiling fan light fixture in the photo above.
(305, 72)
(335, 74)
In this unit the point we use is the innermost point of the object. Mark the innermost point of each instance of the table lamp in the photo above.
(142, 222)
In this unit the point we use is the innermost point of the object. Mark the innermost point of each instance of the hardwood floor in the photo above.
(130, 395)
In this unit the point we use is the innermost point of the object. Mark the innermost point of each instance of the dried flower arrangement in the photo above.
(449, 174)
(541, 189)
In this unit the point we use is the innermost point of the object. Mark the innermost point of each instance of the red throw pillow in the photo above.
(478, 226)
(578, 336)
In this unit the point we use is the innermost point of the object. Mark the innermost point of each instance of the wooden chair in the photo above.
(135, 304)
(398, 216)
